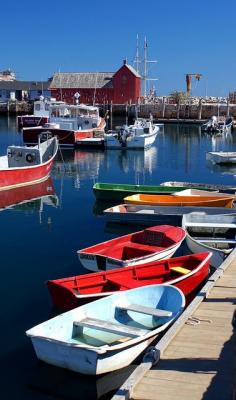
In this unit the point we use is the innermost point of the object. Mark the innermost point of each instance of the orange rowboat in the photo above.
(168, 200)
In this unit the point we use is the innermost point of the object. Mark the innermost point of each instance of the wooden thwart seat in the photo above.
(111, 327)
(155, 312)
(180, 270)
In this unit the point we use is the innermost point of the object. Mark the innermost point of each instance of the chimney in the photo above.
(125, 61)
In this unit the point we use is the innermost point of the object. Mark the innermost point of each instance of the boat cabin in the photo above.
(74, 117)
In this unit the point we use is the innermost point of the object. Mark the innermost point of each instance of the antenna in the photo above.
(145, 74)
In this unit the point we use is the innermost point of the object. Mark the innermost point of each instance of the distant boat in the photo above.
(141, 135)
(204, 186)
(151, 214)
(27, 165)
(40, 114)
(222, 157)
(217, 125)
(197, 201)
(151, 244)
(70, 123)
(117, 191)
(186, 272)
(215, 233)
(107, 334)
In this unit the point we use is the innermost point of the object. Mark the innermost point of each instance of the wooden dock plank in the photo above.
(196, 360)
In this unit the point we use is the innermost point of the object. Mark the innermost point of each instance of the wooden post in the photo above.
(227, 107)
(111, 115)
(163, 107)
(200, 109)
(178, 108)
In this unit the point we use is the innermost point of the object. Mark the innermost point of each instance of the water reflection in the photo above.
(222, 169)
(29, 198)
(79, 164)
(139, 161)
(70, 385)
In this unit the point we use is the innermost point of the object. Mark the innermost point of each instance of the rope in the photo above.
(197, 320)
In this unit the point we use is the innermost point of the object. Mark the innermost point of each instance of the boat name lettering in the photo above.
(87, 256)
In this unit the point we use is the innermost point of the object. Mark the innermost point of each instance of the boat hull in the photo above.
(68, 293)
(66, 342)
(180, 201)
(92, 262)
(27, 121)
(116, 191)
(204, 186)
(66, 137)
(148, 215)
(12, 178)
(195, 246)
(138, 142)
(85, 361)
(222, 157)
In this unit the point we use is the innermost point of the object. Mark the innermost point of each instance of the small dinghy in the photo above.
(151, 244)
(109, 333)
(186, 272)
(222, 157)
(215, 233)
(181, 201)
(204, 186)
(148, 215)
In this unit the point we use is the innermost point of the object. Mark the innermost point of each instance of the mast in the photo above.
(145, 72)
(137, 60)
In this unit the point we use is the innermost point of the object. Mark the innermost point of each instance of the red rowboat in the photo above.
(27, 165)
(151, 244)
(186, 272)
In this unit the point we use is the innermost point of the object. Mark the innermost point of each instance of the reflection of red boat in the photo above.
(186, 272)
(27, 165)
(24, 194)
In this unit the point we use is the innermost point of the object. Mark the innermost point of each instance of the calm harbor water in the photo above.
(40, 238)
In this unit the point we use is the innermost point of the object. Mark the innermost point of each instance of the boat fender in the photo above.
(86, 122)
(152, 355)
(30, 157)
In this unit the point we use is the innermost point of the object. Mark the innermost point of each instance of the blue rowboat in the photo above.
(107, 334)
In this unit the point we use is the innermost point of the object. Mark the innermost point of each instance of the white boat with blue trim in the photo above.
(109, 333)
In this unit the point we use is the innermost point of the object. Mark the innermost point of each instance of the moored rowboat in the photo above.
(150, 244)
(204, 186)
(186, 272)
(109, 333)
(166, 200)
(149, 214)
(117, 191)
(215, 233)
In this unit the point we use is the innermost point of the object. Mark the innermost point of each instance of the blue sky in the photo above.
(40, 38)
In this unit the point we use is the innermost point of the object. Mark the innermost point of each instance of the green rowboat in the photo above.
(117, 191)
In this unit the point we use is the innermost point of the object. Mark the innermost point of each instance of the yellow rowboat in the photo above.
(182, 201)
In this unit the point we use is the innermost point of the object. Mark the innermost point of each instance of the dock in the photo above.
(196, 358)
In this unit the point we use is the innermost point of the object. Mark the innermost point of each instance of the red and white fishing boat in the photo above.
(27, 165)
(40, 115)
(151, 244)
(186, 272)
(70, 123)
